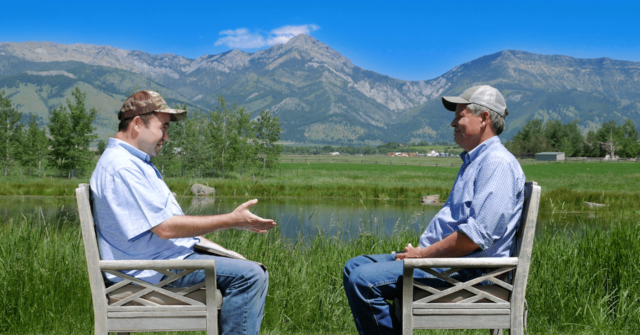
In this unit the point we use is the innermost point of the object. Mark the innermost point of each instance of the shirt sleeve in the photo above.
(140, 206)
(493, 204)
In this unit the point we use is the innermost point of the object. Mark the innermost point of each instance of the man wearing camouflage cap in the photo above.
(137, 217)
(479, 218)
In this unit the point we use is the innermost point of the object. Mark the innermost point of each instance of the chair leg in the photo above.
(496, 331)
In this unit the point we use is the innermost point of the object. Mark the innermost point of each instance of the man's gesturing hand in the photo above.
(245, 220)
(410, 252)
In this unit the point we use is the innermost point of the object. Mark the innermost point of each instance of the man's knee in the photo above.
(256, 275)
(358, 278)
(354, 263)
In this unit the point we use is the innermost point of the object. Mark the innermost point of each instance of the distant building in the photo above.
(334, 153)
(550, 156)
(433, 154)
(398, 154)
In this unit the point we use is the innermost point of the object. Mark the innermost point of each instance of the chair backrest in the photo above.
(524, 247)
(83, 195)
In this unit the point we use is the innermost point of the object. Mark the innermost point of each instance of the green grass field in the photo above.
(565, 186)
(583, 283)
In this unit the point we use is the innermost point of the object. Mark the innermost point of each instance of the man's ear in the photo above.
(137, 122)
(486, 117)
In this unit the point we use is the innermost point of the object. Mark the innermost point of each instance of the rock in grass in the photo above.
(431, 199)
(199, 189)
(593, 204)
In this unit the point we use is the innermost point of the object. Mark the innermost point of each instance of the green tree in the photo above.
(193, 146)
(71, 130)
(245, 148)
(102, 146)
(629, 146)
(267, 130)
(35, 146)
(10, 133)
(530, 139)
(591, 147)
(609, 138)
(222, 136)
(565, 138)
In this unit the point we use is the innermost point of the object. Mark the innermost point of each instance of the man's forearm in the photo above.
(188, 225)
(455, 245)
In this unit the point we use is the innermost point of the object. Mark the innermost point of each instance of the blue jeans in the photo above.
(369, 281)
(244, 288)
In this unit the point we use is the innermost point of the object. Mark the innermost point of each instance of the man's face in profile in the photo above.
(467, 128)
(152, 137)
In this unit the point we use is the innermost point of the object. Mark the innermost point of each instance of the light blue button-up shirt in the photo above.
(485, 202)
(129, 198)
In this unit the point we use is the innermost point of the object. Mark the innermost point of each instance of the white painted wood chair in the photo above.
(133, 305)
(467, 305)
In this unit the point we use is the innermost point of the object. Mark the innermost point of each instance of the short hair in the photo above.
(124, 123)
(497, 121)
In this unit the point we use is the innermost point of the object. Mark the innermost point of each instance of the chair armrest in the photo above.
(165, 264)
(479, 262)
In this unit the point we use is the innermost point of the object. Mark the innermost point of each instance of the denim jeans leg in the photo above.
(244, 289)
(369, 281)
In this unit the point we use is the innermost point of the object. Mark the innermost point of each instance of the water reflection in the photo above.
(342, 218)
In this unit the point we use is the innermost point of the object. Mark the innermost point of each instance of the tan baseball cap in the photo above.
(143, 102)
(483, 95)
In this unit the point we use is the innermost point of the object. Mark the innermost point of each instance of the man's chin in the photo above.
(456, 138)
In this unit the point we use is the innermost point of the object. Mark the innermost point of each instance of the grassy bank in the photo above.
(565, 186)
(579, 284)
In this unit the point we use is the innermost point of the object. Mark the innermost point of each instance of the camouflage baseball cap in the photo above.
(143, 102)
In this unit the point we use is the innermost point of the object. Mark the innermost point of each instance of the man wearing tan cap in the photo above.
(137, 217)
(479, 219)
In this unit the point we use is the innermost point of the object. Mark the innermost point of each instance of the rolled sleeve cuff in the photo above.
(477, 233)
(154, 220)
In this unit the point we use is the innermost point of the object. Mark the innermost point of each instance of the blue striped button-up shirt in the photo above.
(485, 203)
(129, 199)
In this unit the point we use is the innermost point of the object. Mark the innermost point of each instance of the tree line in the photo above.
(223, 140)
(65, 147)
(610, 139)
(204, 144)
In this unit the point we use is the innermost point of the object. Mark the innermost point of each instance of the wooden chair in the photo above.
(133, 305)
(467, 305)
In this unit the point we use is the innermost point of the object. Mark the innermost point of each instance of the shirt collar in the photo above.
(116, 143)
(468, 157)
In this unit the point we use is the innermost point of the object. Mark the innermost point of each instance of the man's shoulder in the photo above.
(498, 151)
(113, 161)
(500, 156)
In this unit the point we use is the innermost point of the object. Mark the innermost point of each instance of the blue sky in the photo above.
(403, 39)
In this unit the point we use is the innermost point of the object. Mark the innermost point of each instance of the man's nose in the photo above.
(454, 123)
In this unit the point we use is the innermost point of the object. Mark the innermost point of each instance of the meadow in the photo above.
(583, 281)
(565, 186)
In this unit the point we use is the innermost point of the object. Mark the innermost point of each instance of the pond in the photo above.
(342, 218)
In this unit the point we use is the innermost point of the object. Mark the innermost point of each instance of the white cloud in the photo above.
(242, 38)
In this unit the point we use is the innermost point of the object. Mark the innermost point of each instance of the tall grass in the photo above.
(585, 282)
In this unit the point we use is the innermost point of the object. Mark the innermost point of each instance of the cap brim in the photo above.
(450, 103)
(176, 114)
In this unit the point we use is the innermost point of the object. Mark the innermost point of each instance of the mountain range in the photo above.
(318, 94)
